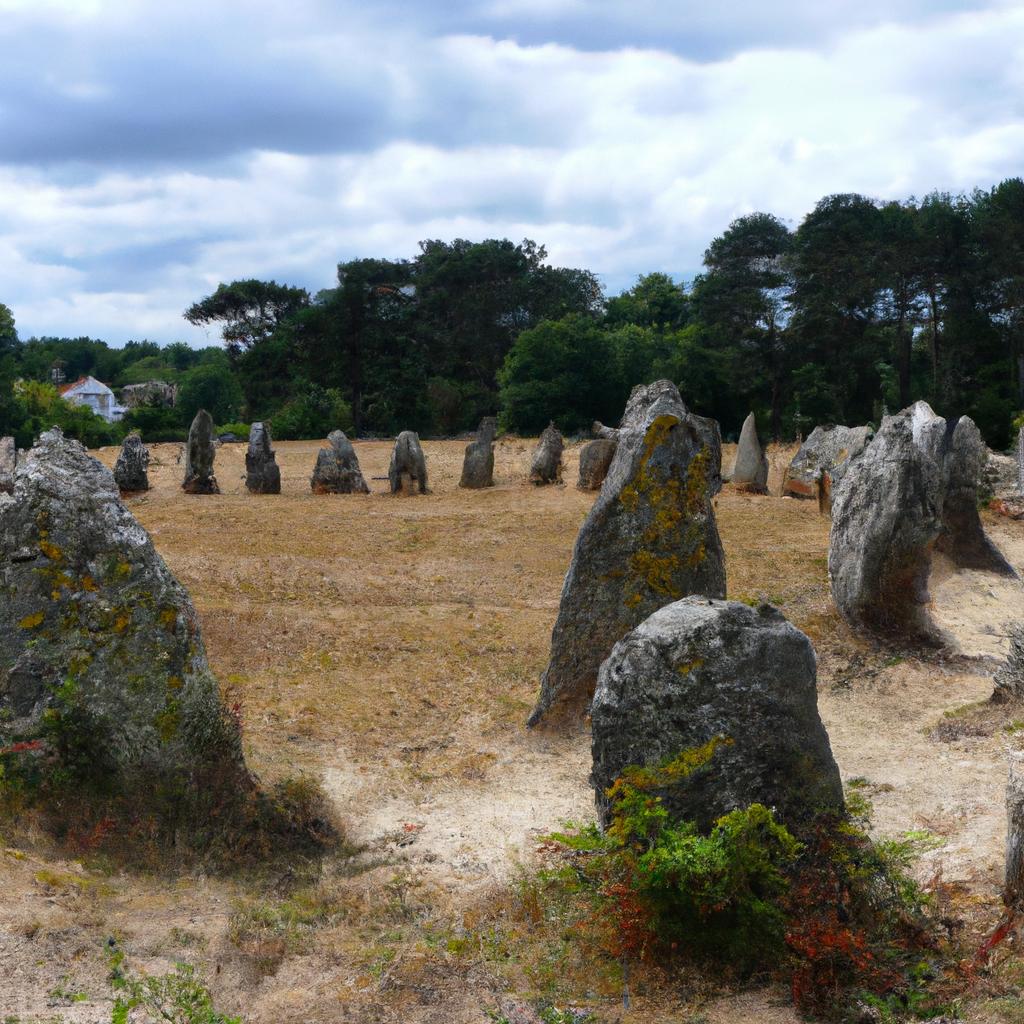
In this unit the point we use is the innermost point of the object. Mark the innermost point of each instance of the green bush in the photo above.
(156, 424)
(240, 430)
(314, 413)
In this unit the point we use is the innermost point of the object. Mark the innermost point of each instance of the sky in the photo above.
(150, 150)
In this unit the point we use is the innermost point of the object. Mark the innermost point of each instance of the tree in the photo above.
(250, 311)
(654, 301)
(8, 348)
(211, 387)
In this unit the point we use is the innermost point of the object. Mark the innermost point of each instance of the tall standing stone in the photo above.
(913, 489)
(103, 654)
(131, 471)
(650, 538)
(262, 473)
(478, 463)
(546, 463)
(407, 473)
(751, 469)
(1013, 892)
(595, 460)
(337, 468)
(199, 455)
(8, 464)
(819, 465)
(718, 702)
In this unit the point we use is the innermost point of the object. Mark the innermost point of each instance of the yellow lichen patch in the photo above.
(175, 683)
(669, 772)
(686, 667)
(88, 583)
(33, 620)
(168, 618)
(121, 621)
(52, 552)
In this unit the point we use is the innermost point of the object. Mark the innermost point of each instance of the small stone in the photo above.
(730, 689)
(262, 473)
(822, 460)
(750, 472)
(595, 458)
(131, 471)
(337, 468)
(200, 452)
(407, 473)
(546, 464)
(478, 464)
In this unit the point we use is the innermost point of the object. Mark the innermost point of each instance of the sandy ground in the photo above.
(391, 648)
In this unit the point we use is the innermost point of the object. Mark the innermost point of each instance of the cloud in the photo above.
(149, 152)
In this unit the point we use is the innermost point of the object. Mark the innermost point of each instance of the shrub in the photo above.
(313, 414)
(156, 424)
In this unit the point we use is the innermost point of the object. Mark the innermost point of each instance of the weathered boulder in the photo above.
(650, 538)
(337, 468)
(1009, 679)
(478, 464)
(1013, 891)
(262, 473)
(718, 702)
(546, 463)
(407, 473)
(598, 429)
(101, 656)
(914, 488)
(1000, 477)
(595, 459)
(750, 470)
(153, 393)
(200, 451)
(131, 471)
(8, 464)
(822, 460)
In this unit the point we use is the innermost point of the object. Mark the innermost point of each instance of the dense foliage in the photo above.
(864, 306)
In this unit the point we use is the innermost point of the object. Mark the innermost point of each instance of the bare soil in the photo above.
(390, 647)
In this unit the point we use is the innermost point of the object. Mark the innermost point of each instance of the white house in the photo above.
(95, 394)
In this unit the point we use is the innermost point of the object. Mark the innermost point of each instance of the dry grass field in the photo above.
(391, 647)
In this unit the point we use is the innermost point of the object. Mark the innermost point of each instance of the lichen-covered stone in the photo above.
(546, 463)
(478, 464)
(715, 704)
(8, 464)
(262, 473)
(101, 655)
(1000, 476)
(823, 458)
(650, 538)
(750, 470)
(200, 451)
(407, 473)
(337, 468)
(595, 460)
(131, 471)
(914, 488)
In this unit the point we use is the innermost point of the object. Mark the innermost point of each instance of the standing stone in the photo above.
(8, 464)
(598, 429)
(478, 464)
(337, 468)
(131, 471)
(751, 469)
(595, 459)
(822, 460)
(102, 651)
(913, 488)
(199, 454)
(1013, 893)
(262, 473)
(650, 538)
(1009, 679)
(546, 464)
(407, 473)
(724, 689)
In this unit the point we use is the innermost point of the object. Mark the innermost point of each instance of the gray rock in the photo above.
(595, 459)
(737, 681)
(200, 451)
(478, 464)
(913, 488)
(1013, 892)
(337, 468)
(131, 471)
(598, 429)
(650, 538)
(407, 473)
(1020, 460)
(750, 471)
(1000, 477)
(8, 464)
(262, 473)
(154, 393)
(546, 463)
(1009, 679)
(101, 649)
(822, 460)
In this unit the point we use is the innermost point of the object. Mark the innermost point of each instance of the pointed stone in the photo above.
(200, 452)
(546, 463)
(751, 469)
(337, 468)
(650, 538)
(262, 473)
(131, 471)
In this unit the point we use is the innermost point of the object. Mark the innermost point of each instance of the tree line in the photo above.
(864, 306)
